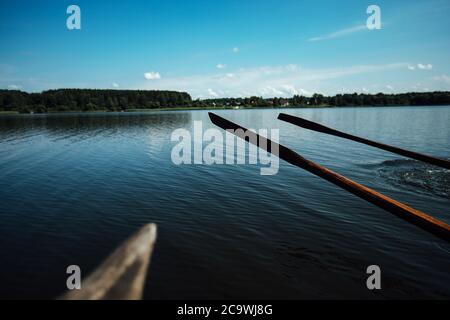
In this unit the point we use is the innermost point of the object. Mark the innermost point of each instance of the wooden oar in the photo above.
(422, 220)
(122, 275)
(406, 153)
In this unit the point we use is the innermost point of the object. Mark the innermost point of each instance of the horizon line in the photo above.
(218, 98)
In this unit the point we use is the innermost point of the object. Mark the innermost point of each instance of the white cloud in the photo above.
(425, 66)
(14, 87)
(212, 93)
(340, 33)
(294, 91)
(220, 66)
(236, 49)
(420, 66)
(270, 91)
(152, 75)
(268, 81)
(115, 85)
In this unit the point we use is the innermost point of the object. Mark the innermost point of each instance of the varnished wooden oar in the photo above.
(422, 220)
(406, 153)
(122, 275)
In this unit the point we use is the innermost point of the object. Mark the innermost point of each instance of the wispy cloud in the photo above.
(441, 82)
(221, 66)
(444, 78)
(115, 85)
(420, 66)
(212, 93)
(14, 87)
(340, 33)
(236, 49)
(266, 81)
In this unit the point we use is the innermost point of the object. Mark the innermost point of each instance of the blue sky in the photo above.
(221, 48)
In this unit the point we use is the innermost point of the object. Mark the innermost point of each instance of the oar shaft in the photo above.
(422, 220)
(321, 128)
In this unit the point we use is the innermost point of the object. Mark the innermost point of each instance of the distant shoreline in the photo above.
(16, 113)
(96, 100)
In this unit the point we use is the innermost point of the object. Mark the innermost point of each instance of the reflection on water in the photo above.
(74, 186)
(62, 126)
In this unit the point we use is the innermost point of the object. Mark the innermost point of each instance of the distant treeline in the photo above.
(90, 100)
(123, 100)
(339, 100)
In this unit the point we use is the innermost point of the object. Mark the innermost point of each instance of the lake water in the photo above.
(74, 186)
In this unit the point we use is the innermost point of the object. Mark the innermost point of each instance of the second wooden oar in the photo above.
(422, 220)
(406, 153)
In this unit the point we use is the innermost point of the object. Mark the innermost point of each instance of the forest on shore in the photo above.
(83, 100)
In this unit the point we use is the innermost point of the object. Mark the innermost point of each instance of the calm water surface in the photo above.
(73, 186)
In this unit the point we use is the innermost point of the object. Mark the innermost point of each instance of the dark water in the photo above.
(72, 187)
